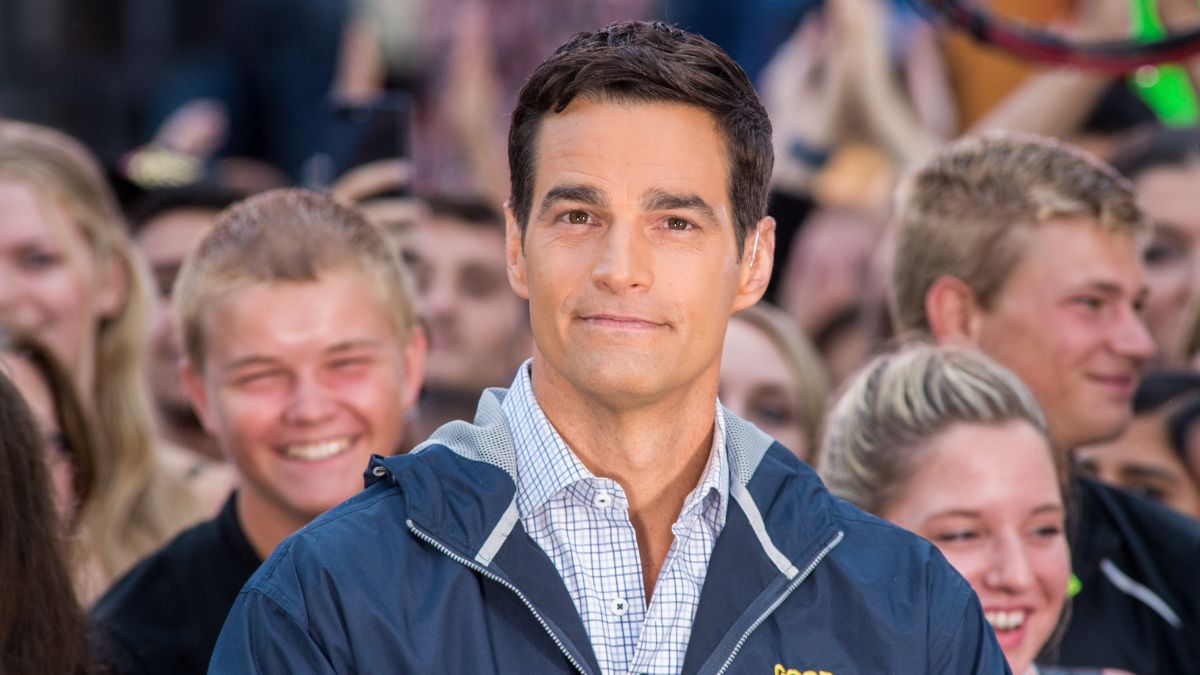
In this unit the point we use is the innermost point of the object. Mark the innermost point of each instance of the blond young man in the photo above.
(1028, 250)
(301, 358)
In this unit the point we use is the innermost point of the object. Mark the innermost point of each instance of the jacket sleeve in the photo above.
(260, 636)
(961, 640)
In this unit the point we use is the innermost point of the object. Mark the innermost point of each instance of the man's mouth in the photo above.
(312, 452)
(621, 321)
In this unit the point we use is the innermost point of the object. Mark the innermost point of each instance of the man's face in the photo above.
(630, 261)
(302, 382)
(166, 241)
(477, 326)
(1067, 323)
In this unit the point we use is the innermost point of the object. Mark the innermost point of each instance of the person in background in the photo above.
(1145, 458)
(1184, 432)
(66, 432)
(478, 328)
(167, 225)
(302, 358)
(944, 442)
(42, 627)
(1028, 250)
(771, 376)
(70, 276)
(1164, 165)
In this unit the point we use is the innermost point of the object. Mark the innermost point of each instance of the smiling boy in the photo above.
(301, 360)
(605, 513)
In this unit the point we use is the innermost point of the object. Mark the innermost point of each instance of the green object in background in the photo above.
(1074, 586)
(1165, 88)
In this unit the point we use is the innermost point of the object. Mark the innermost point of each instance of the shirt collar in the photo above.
(546, 465)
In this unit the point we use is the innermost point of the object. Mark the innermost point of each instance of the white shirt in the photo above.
(582, 523)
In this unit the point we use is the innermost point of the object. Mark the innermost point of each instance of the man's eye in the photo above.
(678, 224)
(577, 217)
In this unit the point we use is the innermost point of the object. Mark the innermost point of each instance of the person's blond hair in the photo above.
(288, 236)
(805, 365)
(878, 431)
(136, 508)
(964, 213)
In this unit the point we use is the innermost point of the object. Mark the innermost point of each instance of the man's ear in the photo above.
(197, 393)
(414, 366)
(514, 252)
(758, 258)
(953, 312)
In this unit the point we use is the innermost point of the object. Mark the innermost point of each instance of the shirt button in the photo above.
(602, 500)
(618, 606)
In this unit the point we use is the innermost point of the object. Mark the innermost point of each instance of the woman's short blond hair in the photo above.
(290, 236)
(964, 213)
(878, 430)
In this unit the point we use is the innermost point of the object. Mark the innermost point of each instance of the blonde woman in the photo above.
(950, 445)
(69, 277)
(772, 376)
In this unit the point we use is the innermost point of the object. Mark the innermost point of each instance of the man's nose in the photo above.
(1132, 338)
(623, 262)
(310, 402)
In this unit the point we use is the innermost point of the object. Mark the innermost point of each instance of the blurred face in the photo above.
(477, 329)
(757, 384)
(1172, 257)
(302, 382)
(50, 284)
(630, 261)
(166, 241)
(37, 395)
(1067, 323)
(988, 498)
(1142, 460)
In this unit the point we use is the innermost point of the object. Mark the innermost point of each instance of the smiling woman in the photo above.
(944, 442)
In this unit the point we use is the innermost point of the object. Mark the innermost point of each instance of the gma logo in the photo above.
(780, 670)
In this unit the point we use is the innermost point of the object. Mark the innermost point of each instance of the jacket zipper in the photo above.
(837, 539)
(472, 565)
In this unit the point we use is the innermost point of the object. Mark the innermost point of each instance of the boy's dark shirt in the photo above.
(165, 614)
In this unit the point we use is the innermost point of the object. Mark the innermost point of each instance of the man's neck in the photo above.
(264, 524)
(657, 452)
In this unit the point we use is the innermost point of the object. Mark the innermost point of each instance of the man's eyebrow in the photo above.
(249, 361)
(584, 194)
(350, 345)
(1114, 289)
(661, 200)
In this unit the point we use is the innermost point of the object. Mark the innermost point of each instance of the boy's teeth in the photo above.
(314, 451)
(1005, 620)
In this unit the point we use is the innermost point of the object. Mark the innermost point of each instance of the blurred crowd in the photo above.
(231, 383)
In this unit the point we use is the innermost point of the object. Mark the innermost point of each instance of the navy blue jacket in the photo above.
(429, 570)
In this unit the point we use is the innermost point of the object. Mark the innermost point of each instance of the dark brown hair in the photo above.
(78, 431)
(643, 62)
(42, 628)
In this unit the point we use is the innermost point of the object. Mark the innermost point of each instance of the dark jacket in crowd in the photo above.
(429, 570)
(165, 614)
(1139, 565)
